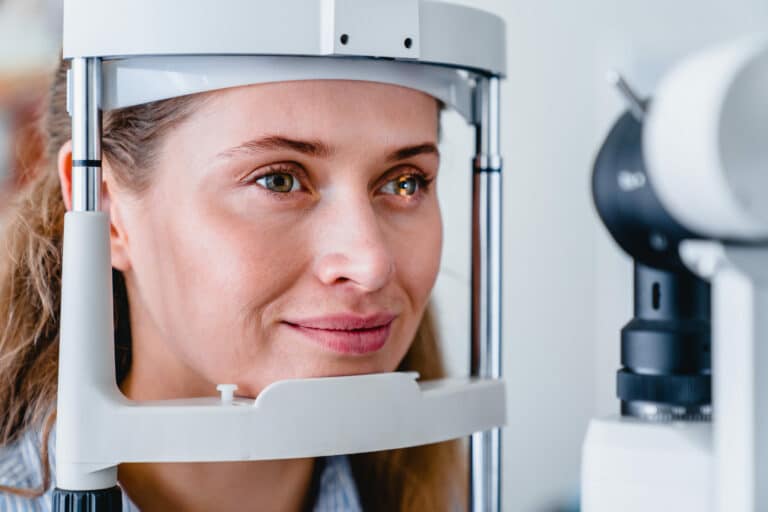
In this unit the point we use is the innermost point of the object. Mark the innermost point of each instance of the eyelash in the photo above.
(424, 181)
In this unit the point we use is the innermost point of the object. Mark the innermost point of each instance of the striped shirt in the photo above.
(20, 467)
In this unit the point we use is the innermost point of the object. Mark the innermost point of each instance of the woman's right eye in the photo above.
(280, 182)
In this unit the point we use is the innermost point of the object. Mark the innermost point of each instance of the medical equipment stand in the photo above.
(705, 152)
(98, 428)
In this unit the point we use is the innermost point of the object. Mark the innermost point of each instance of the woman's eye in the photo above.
(404, 186)
(279, 182)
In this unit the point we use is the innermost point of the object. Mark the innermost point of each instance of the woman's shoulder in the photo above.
(20, 464)
(337, 487)
(20, 467)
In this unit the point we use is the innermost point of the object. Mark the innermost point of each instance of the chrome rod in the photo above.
(637, 106)
(84, 98)
(485, 361)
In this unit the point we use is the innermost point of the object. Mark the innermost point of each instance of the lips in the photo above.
(346, 334)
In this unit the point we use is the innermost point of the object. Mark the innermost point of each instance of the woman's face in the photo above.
(291, 230)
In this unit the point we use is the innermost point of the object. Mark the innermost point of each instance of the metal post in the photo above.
(84, 101)
(485, 447)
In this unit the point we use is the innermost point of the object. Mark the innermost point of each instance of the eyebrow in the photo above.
(318, 149)
(275, 142)
(412, 151)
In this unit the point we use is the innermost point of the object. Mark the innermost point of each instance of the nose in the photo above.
(351, 247)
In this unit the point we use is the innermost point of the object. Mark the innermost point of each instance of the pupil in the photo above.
(407, 186)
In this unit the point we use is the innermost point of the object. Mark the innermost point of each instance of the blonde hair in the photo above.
(408, 480)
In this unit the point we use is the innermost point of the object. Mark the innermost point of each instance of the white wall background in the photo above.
(567, 288)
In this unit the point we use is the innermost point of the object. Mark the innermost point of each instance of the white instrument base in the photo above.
(634, 466)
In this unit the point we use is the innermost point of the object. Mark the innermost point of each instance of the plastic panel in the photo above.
(634, 466)
(443, 33)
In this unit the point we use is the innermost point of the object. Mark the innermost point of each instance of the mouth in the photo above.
(347, 334)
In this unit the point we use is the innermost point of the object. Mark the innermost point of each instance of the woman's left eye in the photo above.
(406, 185)
(280, 182)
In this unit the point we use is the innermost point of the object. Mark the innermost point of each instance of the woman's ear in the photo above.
(65, 173)
(117, 235)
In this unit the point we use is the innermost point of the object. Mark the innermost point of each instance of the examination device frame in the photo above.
(97, 427)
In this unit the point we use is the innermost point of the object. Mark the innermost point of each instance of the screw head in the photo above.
(227, 391)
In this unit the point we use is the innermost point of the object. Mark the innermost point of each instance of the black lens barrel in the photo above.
(665, 348)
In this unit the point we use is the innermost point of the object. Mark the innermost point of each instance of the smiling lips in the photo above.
(347, 334)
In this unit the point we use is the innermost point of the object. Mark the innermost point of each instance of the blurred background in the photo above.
(567, 287)
(30, 37)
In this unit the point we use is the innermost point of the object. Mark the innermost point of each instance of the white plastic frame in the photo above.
(440, 33)
(137, 80)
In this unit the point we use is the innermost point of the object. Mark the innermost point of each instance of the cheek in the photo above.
(239, 265)
(417, 247)
(219, 272)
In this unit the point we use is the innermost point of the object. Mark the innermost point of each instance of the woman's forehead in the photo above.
(327, 105)
(342, 115)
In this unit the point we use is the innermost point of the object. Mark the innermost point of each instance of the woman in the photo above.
(258, 233)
